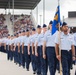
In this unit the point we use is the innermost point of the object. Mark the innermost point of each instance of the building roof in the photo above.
(19, 4)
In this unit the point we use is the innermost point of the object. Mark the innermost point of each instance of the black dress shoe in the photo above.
(39, 74)
(27, 69)
(34, 72)
(24, 67)
(16, 63)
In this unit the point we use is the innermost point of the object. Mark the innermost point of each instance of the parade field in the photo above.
(9, 68)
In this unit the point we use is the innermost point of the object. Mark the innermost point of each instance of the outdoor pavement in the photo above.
(10, 68)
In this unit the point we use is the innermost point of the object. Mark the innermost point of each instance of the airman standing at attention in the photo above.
(66, 44)
(49, 50)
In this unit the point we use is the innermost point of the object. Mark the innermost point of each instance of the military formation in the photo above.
(42, 49)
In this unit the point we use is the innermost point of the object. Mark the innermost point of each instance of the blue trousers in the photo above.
(20, 56)
(7, 52)
(75, 54)
(27, 57)
(23, 60)
(66, 62)
(11, 55)
(2, 49)
(33, 59)
(44, 65)
(51, 59)
(16, 57)
(38, 61)
(71, 60)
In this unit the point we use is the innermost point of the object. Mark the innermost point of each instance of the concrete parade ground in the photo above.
(10, 68)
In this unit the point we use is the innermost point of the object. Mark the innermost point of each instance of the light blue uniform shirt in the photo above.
(40, 39)
(10, 41)
(25, 40)
(31, 38)
(6, 41)
(20, 40)
(66, 41)
(16, 41)
(37, 40)
(50, 39)
(74, 35)
(0, 41)
(34, 40)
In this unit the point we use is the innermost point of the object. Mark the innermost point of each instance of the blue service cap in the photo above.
(27, 30)
(38, 26)
(14, 34)
(64, 23)
(44, 25)
(23, 31)
(33, 29)
(51, 22)
(8, 34)
(19, 31)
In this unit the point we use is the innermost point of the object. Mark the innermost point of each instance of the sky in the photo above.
(50, 9)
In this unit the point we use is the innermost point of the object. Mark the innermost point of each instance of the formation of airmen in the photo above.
(41, 49)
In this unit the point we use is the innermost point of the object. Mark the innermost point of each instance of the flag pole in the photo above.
(60, 45)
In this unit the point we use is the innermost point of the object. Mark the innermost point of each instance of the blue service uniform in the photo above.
(20, 53)
(16, 58)
(11, 51)
(0, 44)
(21, 50)
(33, 57)
(13, 40)
(14, 54)
(26, 56)
(38, 58)
(65, 46)
(74, 35)
(23, 55)
(7, 48)
(44, 66)
(50, 51)
(3, 42)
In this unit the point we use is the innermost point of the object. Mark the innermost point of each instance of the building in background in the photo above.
(71, 20)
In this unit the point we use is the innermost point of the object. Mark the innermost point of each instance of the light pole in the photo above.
(37, 14)
(9, 7)
(40, 19)
(13, 13)
(43, 11)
